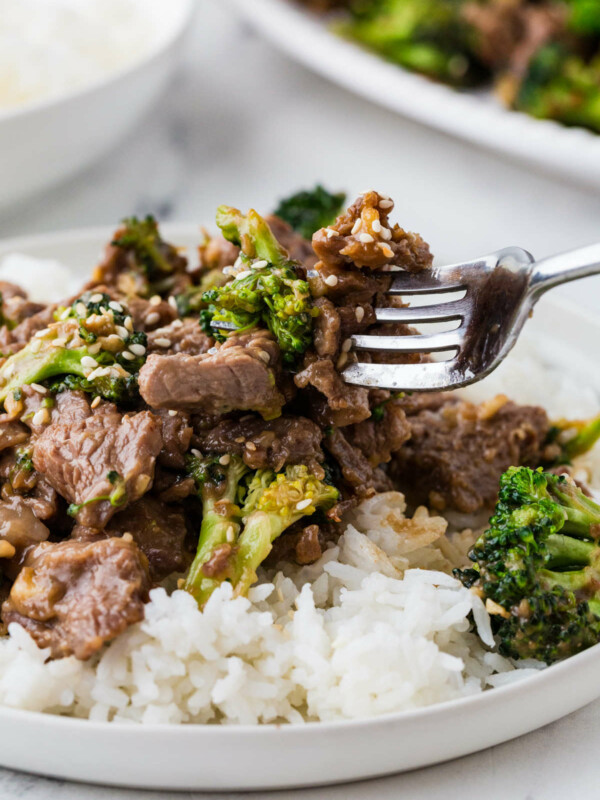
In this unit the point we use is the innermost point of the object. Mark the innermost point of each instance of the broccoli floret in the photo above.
(267, 290)
(563, 86)
(584, 435)
(91, 346)
(427, 36)
(117, 497)
(141, 237)
(273, 502)
(538, 567)
(309, 211)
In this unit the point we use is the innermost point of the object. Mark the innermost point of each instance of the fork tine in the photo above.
(425, 343)
(442, 312)
(429, 377)
(423, 283)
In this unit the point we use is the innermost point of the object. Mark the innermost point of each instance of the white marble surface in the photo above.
(243, 125)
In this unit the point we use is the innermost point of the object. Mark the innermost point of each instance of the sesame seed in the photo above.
(376, 225)
(243, 274)
(128, 324)
(196, 453)
(99, 372)
(359, 313)
(239, 439)
(96, 298)
(88, 361)
(387, 251)
(58, 342)
(37, 388)
(211, 351)
(127, 355)
(65, 314)
(173, 302)
(260, 264)
(122, 332)
(41, 334)
(177, 323)
(386, 204)
(35, 345)
(227, 270)
(331, 232)
(356, 227)
(152, 318)
(342, 360)
(331, 280)
(9, 369)
(127, 537)
(162, 342)
(94, 349)
(115, 306)
(230, 534)
(81, 309)
(96, 402)
(302, 504)
(41, 417)
(346, 345)
(386, 234)
(366, 238)
(264, 356)
(172, 412)
(251, 446)
(155, 300)
(224, 460)
(137, 349)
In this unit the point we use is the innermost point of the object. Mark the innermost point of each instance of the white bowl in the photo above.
(236, 757)
(47, 141)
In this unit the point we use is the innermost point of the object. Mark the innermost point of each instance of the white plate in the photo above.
(240, 757)
(47, 141)
(475, 116)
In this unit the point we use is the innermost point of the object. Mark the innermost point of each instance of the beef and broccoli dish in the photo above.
(185, 424)
(542, 56)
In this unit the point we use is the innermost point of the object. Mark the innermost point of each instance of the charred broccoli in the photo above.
(266, 290)
(91, 346)
(271, 503)
(538, 567)
(309, 211)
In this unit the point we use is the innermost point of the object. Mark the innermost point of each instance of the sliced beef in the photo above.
(215, 253)
(148, 315)
(159, 531)
(240, 375)
(176, 435)
(272, 444)
(20, 530)
(377, 438)
(298, 247)
(93, 457)
(346, 404)
(172, 487)
(361, 477)
(12, 432)
(14, 340)
(72, 596)
(457, 453)
(181, 336)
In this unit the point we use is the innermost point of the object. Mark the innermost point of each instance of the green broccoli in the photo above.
(91, 346)
(585, 435)
(267, 290)
(141, 237)
(117, 497)
(273, 502)
(538, 567)
(309, 211)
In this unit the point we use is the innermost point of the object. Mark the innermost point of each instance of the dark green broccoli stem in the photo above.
(218, 489)
(309, 211)
(117, 498)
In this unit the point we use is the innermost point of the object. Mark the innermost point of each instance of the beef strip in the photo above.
(20, 530)
(12, 432)
(73, 597)
(172, 487)
(159, 531)
(346, 404)
(181, 336)
(148, 315)
(77, 459)
(176, 436)
(299, 249)
(242, 374)
(273, 444)
(11, 341)
(457, 453)
(361, 477)
(379, 439)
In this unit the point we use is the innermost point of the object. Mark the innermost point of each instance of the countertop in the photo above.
(243, 125)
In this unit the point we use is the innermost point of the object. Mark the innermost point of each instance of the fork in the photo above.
(500, 291)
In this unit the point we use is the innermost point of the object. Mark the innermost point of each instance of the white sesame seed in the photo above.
(359, 313)
(264, 356)
(162, 342)
(239, 439)
(115, 306)
(227, 270)
(152, 318)
(302, 504)
(88, 362)
(224, 460)
(386, 203)
(127, 355)
(41, 334)
(196, 453)
(387, 251)
(346, 345)
(96, 402)
(251, 446)
(81, 309)
(230, 534)
(96, 298)
(35, 345)
(114, 340)
(342, 360)
(177, 323)
(41, 417)
(137, 349)
(356, 227)
(211, 351)
(331, 280)
(9, 369)
(155, 300)
(128, 322)
(260, 264)
(172, 412)
(37, 388)
(376, 225)
(122, 332)
(366, 238)
(386, 234)
(243, 274)
(65, 314)
(58, 342)
(99, 372)
(173, 302)
(238, 262)
(331, 232)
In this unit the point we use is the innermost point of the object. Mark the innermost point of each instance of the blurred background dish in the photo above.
(474, 115)
(74, 77)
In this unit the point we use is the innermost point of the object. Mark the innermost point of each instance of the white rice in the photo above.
(377, 625)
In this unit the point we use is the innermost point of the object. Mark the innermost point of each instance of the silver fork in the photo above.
(500, 289)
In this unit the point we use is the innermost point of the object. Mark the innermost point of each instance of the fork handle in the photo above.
(555, 270)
